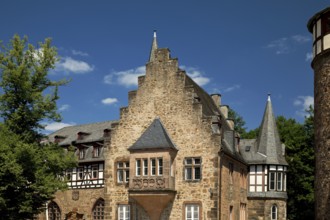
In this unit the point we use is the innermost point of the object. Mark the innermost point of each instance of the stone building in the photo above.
(319, 26)
(173, 154)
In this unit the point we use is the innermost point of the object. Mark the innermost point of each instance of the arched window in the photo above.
(54, 212)
(98, 210)
(274, 212)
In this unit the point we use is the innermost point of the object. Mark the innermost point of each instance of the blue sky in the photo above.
(241, 49)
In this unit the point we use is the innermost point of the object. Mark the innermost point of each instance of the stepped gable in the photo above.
(208, 106)
(155, 137)
(267, 149)
(93, 132)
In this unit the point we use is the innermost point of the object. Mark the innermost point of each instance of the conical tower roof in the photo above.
(268, 142)
(154, 47)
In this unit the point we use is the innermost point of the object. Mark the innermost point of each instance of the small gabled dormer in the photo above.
(82, 135)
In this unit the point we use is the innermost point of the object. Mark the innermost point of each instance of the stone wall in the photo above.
(321, 65)
(83, 199)
(260, 209)
(233, 187)
(162, 93)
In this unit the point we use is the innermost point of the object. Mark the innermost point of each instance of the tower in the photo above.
(319, 26)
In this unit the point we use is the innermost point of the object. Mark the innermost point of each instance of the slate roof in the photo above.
(154, 137)
(267, 149)
(94, 132)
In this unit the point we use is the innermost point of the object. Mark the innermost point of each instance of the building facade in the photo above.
(173, 154)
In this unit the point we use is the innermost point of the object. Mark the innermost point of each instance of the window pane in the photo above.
(279, 181)
(272, 180)
(188, 173)
(189, 161)
(197, 161)
(145, 167)
(197, 173)
(120, 176)
(160, 166)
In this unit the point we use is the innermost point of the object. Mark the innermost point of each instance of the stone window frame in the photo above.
(125, 171)
(274, 212)
(193, 167)
(197, 203)
(98, 209)
(125, 205)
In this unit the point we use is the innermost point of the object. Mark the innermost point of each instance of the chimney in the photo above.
(216, 99)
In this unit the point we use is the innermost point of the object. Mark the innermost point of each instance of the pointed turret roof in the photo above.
(155, 137)
(154, 47)
(268, 142)
(267, 148)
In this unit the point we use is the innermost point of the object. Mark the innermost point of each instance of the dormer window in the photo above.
(81, 135)
(106, 132)
(96, 151)
(82, 153)
(59, 138)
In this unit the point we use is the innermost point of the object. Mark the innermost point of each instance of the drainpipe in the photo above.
(46, 211)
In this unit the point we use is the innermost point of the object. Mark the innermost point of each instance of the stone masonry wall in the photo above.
(162, 94)
(321, 65)
(233, 187)
(260, 209)
(85, 202)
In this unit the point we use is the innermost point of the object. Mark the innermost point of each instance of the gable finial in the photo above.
(268, 99)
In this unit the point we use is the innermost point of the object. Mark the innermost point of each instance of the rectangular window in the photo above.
(82, 153)
(80, 173)
(96, 151)
(145, 167)
(138, 167)
(272, 180)
(279, 181)
(192, 168)
(153, 166)
(231, 215)
(160, 166)
(122, 172)
(95, 172)
(192, 212)
(123, 212)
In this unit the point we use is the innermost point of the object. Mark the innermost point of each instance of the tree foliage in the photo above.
(238, 121)
(26, 100)
(30, 173)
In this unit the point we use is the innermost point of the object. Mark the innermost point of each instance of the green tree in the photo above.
(299, 142)
(26, 100)
(238, 121)
(30, 173)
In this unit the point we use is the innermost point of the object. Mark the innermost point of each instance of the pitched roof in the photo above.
(268, 147)
(94, 132)
(155, 137)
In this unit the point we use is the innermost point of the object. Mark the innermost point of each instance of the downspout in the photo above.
(46, 211)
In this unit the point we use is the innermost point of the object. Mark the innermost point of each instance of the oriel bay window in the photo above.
(122, 172)
(154, 165)
(192, 168)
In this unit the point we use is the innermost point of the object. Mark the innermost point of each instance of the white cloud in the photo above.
(285, 45)
(57, 125)
(303, 103)
(301, 38)
(231, 88)
(309, 57)
(281, 46)
(64, 107)
(129, 77)
(109, 101)
(73, 66)
(79, 53)
(196, 75)
(125, 78)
